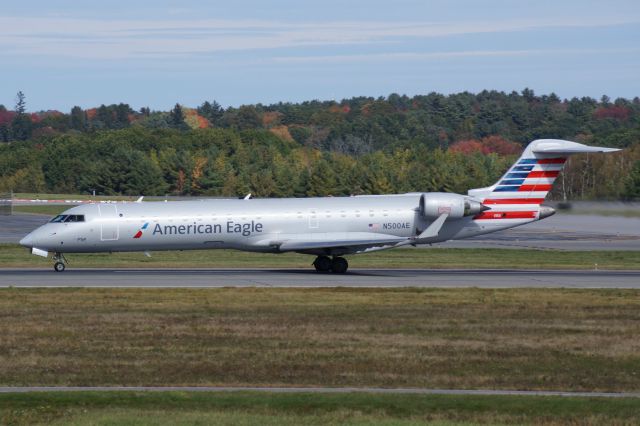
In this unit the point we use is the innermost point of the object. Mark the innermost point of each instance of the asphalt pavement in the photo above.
(383, 278)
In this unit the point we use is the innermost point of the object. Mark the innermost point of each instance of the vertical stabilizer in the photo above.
(526, 184)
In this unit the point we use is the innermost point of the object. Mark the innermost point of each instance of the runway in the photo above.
(357, 278)
(14, 227)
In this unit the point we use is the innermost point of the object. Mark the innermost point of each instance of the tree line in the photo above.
(359, 145)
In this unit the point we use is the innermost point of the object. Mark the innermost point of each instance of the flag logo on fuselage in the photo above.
(139, 233)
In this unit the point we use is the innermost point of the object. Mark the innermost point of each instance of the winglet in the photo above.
(434, 229)
(139, 200)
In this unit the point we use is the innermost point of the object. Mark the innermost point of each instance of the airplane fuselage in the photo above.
(251, 225)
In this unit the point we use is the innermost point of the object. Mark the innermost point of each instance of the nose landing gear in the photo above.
(60, 262)
(337, 265)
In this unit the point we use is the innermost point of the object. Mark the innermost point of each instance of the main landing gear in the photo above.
(337, 265)
(60, 262)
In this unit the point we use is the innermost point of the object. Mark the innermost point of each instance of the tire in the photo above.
(58, 267)
(339, 265)
(322, 264)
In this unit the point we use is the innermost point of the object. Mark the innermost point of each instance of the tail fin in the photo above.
(530, 179)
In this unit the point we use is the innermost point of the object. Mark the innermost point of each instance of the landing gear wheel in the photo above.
(322, 264)
(59, 262)
(339, 265)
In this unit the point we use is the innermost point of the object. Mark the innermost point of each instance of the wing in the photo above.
(338, 241)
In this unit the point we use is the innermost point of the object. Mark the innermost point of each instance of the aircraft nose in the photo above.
(27, 241)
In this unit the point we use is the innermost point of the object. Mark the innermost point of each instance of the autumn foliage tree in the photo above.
(398, 143)
(489, 145)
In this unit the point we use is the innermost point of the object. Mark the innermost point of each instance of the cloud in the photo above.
(127, 39)
(422, 56)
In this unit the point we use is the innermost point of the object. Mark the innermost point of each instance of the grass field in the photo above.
(603, 212)
(550, 339)
(42, 196)
(12, 255)
(246, 408)
(47, 210)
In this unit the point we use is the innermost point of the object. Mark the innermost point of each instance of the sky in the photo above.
(157, 53)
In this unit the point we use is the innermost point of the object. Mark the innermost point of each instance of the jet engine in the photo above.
(434, 204)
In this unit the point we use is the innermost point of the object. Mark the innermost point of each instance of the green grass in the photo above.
(538, 339)
(604, 212)
(251, 408)
(47, 210)
(44, 196)
(12, 255)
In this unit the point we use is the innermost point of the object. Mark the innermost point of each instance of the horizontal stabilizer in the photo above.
(559, 146)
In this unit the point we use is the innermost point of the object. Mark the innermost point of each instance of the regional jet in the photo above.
(328, 228)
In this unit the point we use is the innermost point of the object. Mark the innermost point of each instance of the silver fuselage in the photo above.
(252, 225)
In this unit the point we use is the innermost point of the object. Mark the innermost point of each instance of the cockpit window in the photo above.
(66, 218)
(74, 218)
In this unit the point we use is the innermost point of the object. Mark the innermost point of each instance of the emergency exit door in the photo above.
(313, 219)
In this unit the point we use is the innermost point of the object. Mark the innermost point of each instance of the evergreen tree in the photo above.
(322, 181)
(21, 126)
(104, 118)
(78, 119)
(5, 124)
(632, 184)
(212, 112)
(176, 118)
(122, 115)
(302, 186)
(21, 104)
(247, 118)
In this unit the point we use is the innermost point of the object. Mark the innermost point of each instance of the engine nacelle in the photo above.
(433, 204)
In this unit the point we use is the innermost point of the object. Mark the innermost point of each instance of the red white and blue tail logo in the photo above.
(141, 230)
(527, 182)
(521, 191)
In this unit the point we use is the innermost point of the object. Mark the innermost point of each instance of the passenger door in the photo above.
(109, 226)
